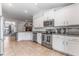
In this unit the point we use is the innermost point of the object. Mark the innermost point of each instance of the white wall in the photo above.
(0, 9)
(19, 24)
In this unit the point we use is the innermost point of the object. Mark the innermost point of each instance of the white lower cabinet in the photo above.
(72, 46)
(24, 36)
(58, 43)
(39, 38)
(66, 44)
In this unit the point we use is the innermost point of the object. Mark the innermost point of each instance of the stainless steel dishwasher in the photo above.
(34, 37)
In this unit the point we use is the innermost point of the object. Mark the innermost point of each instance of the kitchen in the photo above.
(54, 28)
(62, 32)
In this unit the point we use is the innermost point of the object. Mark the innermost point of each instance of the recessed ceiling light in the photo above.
(25, 11)
(36, 3)
(10, 4)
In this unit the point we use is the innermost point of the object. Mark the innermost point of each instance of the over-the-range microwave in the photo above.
(48, 23)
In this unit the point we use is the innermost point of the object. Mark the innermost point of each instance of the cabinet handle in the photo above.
(66, 43)
(63, 43)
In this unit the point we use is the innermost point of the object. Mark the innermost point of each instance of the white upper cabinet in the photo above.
(0, 10)
(41, 17)
(49, 14)
(59, 18)
(67, 16)
(38, 22)
(72, 14)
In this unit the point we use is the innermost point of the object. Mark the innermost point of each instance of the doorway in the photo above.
(9, 28)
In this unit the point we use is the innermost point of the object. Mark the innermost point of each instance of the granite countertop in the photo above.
(25, 31)
(72, 35)
(40, 31)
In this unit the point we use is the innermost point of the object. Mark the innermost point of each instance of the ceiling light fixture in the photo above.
(25, 11)
(10, 4)
(36, 3)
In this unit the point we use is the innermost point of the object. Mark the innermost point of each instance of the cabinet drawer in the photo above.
(58, 36)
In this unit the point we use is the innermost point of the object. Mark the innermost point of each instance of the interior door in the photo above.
(1, 36)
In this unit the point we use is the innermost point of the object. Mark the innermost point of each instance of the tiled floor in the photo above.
(26, 48)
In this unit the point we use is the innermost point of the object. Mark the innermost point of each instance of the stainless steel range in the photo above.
(47, 39)
(35, 37)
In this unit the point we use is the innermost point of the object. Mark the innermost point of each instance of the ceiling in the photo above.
(17, 10)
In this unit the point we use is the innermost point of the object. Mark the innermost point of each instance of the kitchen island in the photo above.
(24, 36)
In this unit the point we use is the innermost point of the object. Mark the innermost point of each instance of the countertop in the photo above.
(24, 31)
(72, 35)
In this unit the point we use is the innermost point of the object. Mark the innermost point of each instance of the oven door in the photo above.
(34, 37)
(44, 38)
(48, 39)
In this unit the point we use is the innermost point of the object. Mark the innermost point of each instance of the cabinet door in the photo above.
(55, 43)
(58, 43)
(72, 46)
(35, 23)
(59, 17)
(73, 14)
(39, 38)
(50, 14)
(38, 22)
(41, 21)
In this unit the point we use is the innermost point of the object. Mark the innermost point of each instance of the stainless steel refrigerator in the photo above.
(1, 35)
